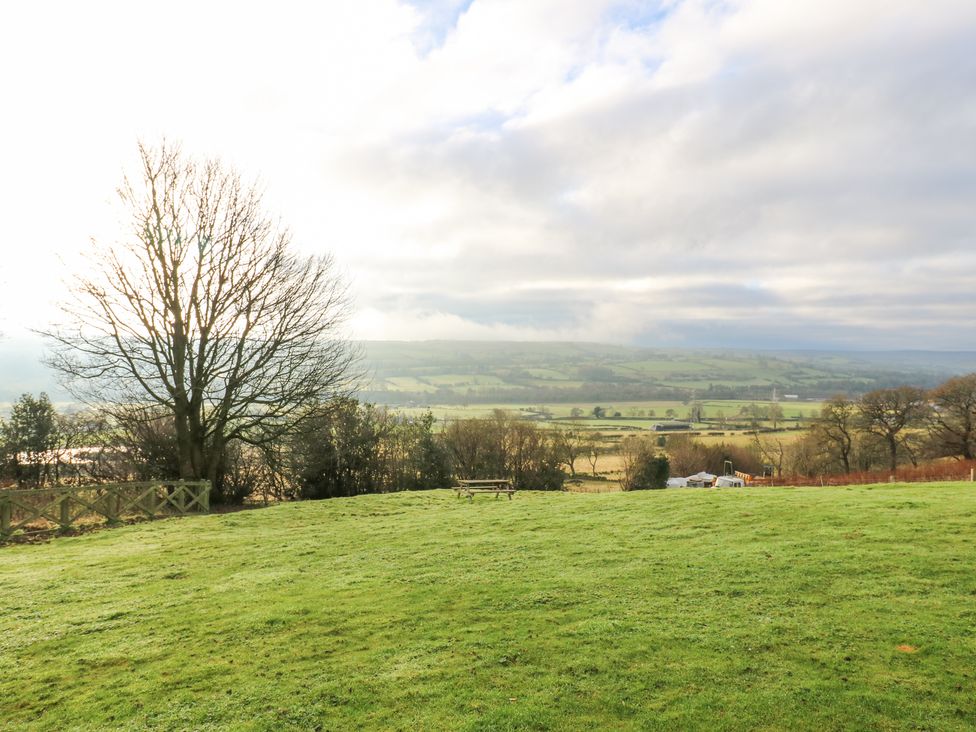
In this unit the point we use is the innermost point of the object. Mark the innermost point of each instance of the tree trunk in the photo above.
(184, 444)
(214, 471)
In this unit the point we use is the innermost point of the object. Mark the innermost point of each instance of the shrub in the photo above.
(643, 467)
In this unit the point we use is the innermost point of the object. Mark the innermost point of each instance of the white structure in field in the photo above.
(706, 480)
(729, 481)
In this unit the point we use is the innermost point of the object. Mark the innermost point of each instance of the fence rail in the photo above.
(48, 510)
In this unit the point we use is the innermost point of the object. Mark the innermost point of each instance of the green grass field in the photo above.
(838, 608)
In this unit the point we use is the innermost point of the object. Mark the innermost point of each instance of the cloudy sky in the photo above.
(755, 173)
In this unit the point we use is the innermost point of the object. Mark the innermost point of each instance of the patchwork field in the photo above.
(635, 414)
(838, 608)
(479, 373)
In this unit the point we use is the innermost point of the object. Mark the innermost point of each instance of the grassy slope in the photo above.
(767, 608)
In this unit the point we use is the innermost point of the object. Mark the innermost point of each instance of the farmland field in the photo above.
(476, 373)
(837, 608)
(641, 414)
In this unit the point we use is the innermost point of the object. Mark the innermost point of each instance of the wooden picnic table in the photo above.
(491, 485)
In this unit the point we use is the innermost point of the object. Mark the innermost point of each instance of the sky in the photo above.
(740, 173)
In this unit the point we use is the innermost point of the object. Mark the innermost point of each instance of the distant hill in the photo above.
(453, 372)
(456, 372)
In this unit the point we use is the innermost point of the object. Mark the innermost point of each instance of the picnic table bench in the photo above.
(494, 485)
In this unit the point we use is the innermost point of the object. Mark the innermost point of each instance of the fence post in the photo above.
(112, 505)
(4, 516)
(65, 510)
(151, 501)
(205, 497)
(181, 497)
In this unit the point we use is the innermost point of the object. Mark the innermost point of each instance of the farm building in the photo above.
(671, 427)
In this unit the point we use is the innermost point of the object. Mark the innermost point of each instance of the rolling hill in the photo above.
(455, 372)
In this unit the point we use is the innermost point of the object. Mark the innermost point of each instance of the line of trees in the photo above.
(886, 428)
(343, 448)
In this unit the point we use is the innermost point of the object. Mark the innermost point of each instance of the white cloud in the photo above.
(748, 171)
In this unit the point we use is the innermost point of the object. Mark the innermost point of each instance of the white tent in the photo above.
(677, 483)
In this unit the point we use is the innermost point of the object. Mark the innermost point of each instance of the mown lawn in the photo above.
(757, 609)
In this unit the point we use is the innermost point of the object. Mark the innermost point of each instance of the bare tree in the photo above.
(206, 312)
(593, 449)
(836, 428)
(953, 424)
(570, 444)
(771, 450)
(889, 413)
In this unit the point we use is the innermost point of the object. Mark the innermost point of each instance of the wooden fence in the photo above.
(43, 510)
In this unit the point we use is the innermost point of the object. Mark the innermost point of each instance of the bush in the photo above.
(643, 467)
(350, 448)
